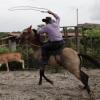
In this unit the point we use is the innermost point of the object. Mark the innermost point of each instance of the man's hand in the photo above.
(54, 14)
(50, 12)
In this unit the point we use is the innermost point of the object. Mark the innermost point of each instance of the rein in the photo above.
(35, 45)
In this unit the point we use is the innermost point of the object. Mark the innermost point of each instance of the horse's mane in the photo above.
(35, 31)
(36, 38)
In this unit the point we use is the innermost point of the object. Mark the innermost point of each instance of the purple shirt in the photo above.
(52, 29)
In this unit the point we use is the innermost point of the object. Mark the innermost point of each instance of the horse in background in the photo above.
(9, 57)
(67, 57)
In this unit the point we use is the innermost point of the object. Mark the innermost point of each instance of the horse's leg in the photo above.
(41, 74)
(48, 80)
(71, 62)
(42, 70)
(7, 67)
(84, 79)
(23, 64)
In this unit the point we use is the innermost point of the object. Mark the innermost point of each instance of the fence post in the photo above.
(77, 39)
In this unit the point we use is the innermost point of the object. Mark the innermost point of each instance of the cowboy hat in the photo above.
(47, 19)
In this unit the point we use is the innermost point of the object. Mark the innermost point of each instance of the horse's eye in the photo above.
(24, 32)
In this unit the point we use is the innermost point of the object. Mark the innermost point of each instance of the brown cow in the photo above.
(11, 56)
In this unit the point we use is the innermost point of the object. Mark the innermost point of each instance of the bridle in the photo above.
(35, 45)
(30, 36)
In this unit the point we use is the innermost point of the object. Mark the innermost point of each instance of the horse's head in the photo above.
(30, 35)
(26, 33)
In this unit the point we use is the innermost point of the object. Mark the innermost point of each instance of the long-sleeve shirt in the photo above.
(52, 29)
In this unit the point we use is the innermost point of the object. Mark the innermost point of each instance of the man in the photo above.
(55, 38)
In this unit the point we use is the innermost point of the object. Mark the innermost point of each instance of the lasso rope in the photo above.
(43, 10)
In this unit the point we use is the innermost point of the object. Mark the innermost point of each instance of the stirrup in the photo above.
(45, 62)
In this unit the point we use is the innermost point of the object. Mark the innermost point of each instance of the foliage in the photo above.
(4, 50)
(93, 32)
(3, 34)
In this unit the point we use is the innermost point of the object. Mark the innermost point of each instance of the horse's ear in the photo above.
(30, 28)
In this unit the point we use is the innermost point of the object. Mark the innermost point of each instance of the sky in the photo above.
(88, 12)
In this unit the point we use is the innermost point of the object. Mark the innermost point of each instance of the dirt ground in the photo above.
(23, 85)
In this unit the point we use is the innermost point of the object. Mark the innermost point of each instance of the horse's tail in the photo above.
(91, 59)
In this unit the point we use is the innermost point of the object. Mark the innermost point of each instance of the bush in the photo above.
(4, 50)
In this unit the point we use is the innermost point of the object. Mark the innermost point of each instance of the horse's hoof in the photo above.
(51, 83)
(39, 83)
(84, 87)
(87, 88)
